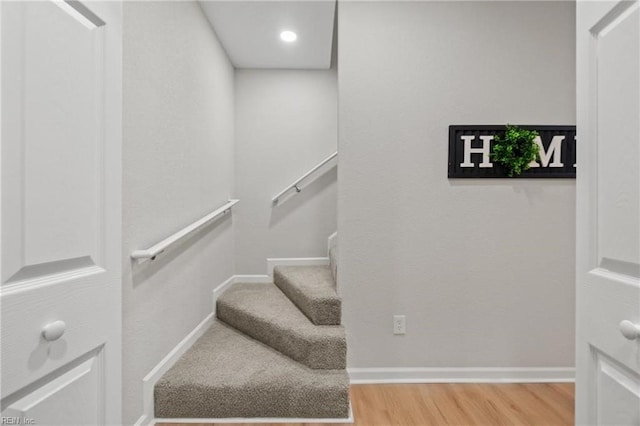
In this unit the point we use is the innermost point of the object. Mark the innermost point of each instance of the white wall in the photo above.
(178, 165)
(483, 269)
(286, 123)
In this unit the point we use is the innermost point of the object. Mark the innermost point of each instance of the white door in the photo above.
(60, 212)
(608, 214)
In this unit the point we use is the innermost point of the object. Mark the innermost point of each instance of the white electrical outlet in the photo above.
(399, 324)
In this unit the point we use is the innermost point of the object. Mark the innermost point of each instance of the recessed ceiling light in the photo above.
(288, 36)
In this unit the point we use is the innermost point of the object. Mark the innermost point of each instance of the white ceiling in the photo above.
(250, 31)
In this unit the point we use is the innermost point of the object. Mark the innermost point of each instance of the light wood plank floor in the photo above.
(546, 404)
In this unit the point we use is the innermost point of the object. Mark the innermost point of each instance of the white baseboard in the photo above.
(300, 261)
(221, 289)
(150, 380)
(332, 241)
(461, 375)
(143, 420)
(252, 279)
(261, 420)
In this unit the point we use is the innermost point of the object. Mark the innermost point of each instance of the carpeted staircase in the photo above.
(277, 350)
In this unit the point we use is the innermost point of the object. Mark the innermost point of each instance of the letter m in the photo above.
(554, 152)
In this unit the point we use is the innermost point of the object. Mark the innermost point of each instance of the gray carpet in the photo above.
(265, 313)
(227, 374)
(313, 290)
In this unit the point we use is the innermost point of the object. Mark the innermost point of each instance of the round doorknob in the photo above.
(54, 331)
(629, 330)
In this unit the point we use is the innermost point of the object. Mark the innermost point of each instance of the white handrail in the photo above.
(295, 184)
(153, 251)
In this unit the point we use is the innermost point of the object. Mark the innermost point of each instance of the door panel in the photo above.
(617, 70)
(56, 127)
(66, 104)
(608, 212)
(26, 355)
(60, 210)
(618, 391)
(70, 397)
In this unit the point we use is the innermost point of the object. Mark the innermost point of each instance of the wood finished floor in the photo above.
(544, 404)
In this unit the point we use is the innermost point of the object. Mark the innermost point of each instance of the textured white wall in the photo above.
(483, 269)
(178, 166)
(286, 123)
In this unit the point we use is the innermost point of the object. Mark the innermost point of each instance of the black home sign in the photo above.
(470, 150)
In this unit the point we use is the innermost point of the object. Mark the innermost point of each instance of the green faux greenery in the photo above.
(515, 150)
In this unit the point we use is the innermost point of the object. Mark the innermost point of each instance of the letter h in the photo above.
(485, 150)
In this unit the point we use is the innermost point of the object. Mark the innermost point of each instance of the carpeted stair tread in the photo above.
(263, 312)
(313, 290)
(226, 374)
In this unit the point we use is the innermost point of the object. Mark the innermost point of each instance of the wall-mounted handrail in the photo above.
(296, 185)
(153, 251)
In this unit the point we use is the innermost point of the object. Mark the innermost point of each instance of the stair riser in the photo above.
(319, 311)
(265, 402)
(324, 353)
